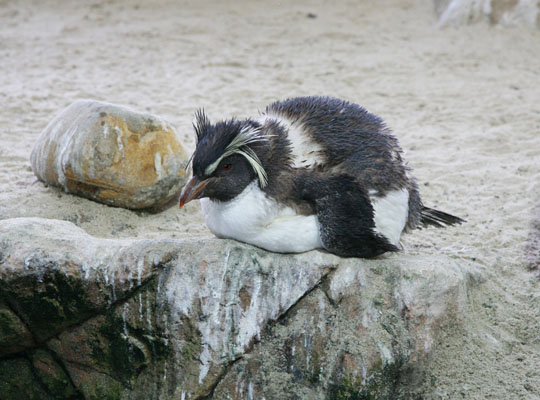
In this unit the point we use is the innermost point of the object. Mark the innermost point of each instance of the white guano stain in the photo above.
(119, 140)
(158, 165)
(226, 326)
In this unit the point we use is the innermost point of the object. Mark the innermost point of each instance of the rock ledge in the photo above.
(84, 317)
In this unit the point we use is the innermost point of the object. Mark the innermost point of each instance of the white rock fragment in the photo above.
(495, 12)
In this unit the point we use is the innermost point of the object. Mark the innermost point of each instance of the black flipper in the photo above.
(345, 216)
(440, 219)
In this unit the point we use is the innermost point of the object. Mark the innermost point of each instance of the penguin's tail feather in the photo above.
(440, 219)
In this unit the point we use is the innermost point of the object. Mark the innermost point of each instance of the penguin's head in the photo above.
(225, 160)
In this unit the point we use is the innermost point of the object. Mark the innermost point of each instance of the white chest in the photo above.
(254, 218)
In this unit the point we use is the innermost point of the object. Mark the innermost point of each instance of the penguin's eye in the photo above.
(227, 167)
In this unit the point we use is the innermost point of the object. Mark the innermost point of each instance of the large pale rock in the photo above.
(146, 318)
(367, 332)
(111, 154)
(503, 12)
(203, 318)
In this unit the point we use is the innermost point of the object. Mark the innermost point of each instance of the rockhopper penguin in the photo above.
(310, 172)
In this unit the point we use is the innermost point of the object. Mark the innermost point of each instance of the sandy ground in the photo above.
(465, 104)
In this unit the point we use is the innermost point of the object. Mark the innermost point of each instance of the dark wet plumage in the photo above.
(359, 158)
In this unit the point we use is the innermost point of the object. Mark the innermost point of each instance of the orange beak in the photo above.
(192, 189)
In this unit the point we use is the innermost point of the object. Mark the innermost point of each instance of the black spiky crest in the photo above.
(201, 124)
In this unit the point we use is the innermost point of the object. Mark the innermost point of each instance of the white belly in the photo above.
(390, 214)
(254, 218)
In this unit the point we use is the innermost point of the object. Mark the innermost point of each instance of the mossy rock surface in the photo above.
(18, 381)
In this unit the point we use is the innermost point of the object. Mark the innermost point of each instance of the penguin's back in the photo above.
(343, 134)
(331, 135)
